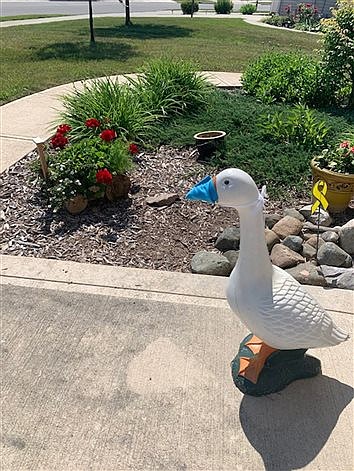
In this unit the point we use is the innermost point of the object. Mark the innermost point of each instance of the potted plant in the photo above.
(336, 167)
(208, 142)
(87, 169)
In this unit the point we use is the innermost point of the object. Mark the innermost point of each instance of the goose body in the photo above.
(269, 301)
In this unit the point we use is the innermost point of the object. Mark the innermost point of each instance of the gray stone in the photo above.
(313, 241)
(330, 236)
(287, 226)
(271, 219)
(209, 263)
(335, 274)
(325, 218)
(293, 242)
(307, 274)
(346, 237)
(284, 257)
(164, 199)
(271, 238)
(308, 252)
(294, 213)
(331, 254)
(232, 256)
(308, 226)
(229, 239)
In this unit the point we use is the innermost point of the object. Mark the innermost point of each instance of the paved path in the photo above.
(33, 115)
(109, 368)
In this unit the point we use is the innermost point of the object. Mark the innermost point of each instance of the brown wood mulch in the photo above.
(128, 233)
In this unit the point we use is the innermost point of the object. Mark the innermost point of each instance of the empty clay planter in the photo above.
(208, 142)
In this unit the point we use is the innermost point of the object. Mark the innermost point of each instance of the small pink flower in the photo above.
(344, 144)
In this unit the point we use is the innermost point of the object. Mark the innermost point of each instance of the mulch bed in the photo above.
(128, 233)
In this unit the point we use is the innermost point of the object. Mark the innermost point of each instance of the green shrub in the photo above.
(115, 106)
(223, 7)
(299, 125)
(282, 21)
(287, 78)
(248, 9)
(73, 170)
(168, 87)
(187, 6)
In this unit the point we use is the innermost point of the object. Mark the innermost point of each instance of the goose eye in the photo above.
(226, 182)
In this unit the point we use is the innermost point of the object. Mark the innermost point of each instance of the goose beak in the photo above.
(204, 191)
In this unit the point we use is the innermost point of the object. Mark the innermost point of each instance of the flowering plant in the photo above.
(339, 159)
(85, 167)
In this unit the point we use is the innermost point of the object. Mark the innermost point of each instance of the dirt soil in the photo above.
(128, 233)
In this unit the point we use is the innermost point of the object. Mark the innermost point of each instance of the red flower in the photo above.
(108, 135)
(63, 129)
(104, 176)
(315, 9)
(133, 149)
(92, 123)
(352, 150)
(308, 5)
(344, 144)
(59, 140)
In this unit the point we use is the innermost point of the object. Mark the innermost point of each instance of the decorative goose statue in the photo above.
(283, 317)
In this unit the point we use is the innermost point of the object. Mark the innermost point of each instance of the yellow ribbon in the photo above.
(319, 190)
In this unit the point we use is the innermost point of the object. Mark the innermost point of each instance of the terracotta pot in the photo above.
(208, 142)
(119, 188)
(77, 204)
(340, 187)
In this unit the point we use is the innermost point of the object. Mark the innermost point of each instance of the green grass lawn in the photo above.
(26, 17)
(40, 56)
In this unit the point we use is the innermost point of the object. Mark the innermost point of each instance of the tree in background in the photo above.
(126, 3)
(338, 48)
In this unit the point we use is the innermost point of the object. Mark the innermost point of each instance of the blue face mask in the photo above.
(203, 191)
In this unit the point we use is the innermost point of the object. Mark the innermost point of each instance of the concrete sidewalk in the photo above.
(109, 368)
(34, 115)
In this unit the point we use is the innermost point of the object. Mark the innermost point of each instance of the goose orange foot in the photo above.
(251, 367)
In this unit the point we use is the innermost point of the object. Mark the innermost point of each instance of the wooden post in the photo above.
(40, 147)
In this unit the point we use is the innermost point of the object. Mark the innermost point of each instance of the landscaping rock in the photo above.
(294, 213)
(287, 226)
(271, 238)
(232, 256)
(331, 254)
(293, 242)
(229, 239)
(163, 199)
(346, 237)
(271, 219)
(313, 241)
(333, 275)
(209, 263)
(325, 218)
(308, 274)
(308, 251)
(308, 226)
(284, 257)
(330, 236)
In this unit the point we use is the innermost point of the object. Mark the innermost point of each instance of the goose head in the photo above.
(232, 188)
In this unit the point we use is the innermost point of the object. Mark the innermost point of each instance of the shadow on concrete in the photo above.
(99, 51)
(143, 31)
(289, 429)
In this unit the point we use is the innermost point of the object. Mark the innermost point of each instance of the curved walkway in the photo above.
(33, 115)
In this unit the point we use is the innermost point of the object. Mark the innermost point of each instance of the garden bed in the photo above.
(128, 233)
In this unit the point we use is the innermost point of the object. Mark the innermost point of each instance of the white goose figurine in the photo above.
(269, 301)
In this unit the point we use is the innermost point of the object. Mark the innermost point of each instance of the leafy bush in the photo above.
(338, 47)
(223, 7)
(298, 125)
(282, 21)
(248, 9)
(187, 6)
(84, 168)
(168, 87)
(115, 106)
(287, 78)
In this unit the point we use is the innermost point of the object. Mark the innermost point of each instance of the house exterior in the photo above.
(323, 6)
